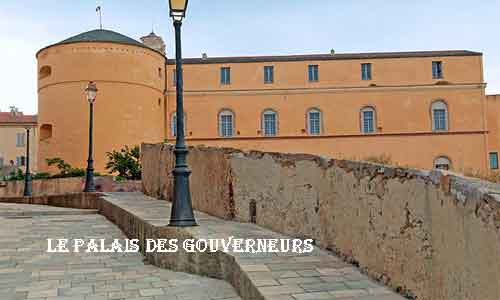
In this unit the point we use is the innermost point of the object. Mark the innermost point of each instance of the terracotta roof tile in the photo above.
(6, 117)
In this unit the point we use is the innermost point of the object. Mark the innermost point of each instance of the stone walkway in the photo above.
(27, 271)
(276, 276)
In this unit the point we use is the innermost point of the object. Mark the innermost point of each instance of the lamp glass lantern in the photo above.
(178, 9)
(91, 92)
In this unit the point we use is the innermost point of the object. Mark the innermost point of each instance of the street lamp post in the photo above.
(91, 92)
(182, 210)
(28, 180)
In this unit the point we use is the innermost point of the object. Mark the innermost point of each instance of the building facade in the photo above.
(420, 109)
(13, 141)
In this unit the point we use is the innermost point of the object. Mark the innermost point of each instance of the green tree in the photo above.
(125, 162)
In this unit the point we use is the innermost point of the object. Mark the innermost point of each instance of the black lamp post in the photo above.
(28, 180)
(182, 210)
(91, 92)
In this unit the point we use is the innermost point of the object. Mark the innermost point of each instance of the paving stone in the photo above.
(324, 287)
(314, 296)
(281, 290)
(151, 292)
(298, 280)
(83, 290)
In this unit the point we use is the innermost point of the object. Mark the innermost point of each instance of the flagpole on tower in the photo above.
(98, 9)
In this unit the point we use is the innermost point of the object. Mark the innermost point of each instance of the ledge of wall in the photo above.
(60, 186)
(433, 234)
(75, 200)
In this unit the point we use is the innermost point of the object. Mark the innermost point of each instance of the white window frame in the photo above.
(173, 123)
(440, 105)
(320, 125)
(264, 127)
(20, 139)
(225, 113)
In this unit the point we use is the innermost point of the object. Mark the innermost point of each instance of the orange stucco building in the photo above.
(422, 109)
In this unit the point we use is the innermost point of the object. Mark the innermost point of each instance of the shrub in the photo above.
(492, 176)
(15, 175)
(42, 176)
(65, 169)
(125, 162)
(383, 159)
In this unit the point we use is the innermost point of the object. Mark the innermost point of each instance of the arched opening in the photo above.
(368, 120)
(442, 163)
(439, 115)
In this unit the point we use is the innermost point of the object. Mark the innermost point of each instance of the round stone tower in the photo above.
(129, 108)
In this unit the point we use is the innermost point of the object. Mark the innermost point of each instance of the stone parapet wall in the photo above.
(430, 234)
(76, 200)
(60, 186)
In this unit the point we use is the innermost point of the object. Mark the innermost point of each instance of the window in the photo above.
(226, 123)
(437, 69)
(174, 77)
(366, 71)
(442, 163)
(313, 73)
(173, 125)
(270, 123)
(268, 74)
(439, 111)
(20, 139)
(1, 162)
(20, 161)
(314, 121)
(45, 72)
(225, 75)
(45, 131)
(368, 120)
(494, 160)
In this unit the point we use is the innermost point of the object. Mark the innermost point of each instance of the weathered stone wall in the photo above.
(61, 186)
(212, 169)
(433, 234)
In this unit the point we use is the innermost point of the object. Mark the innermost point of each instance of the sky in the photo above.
(257, 27)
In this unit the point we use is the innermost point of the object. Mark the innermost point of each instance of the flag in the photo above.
(98, 9)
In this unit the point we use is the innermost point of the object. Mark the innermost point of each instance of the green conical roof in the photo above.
(101, 35)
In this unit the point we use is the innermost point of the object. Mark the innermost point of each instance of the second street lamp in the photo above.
(182, 214)
(91, 92)
(28, 180)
